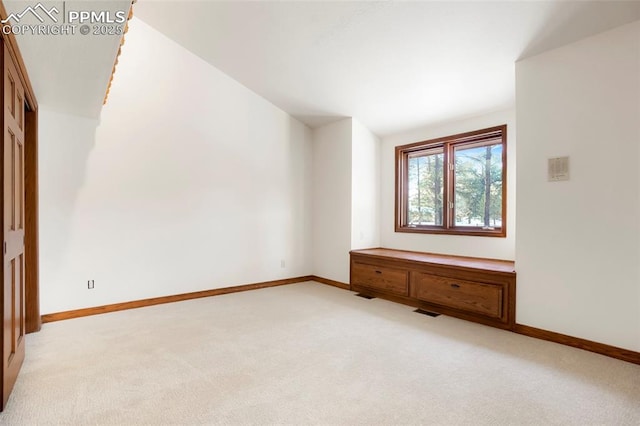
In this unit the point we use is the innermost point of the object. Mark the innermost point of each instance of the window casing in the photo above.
(454, 185)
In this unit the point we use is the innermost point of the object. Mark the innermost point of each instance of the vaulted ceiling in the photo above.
(393, 65)
(69, 72)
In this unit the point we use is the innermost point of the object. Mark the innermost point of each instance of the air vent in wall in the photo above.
(558, 169)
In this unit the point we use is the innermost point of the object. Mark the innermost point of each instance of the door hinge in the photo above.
(452, 166)
(5, 247)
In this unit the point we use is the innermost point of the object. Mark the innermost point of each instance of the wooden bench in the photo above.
(474, 289)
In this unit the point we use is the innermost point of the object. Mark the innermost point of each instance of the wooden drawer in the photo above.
(481, 298)
(381, 278)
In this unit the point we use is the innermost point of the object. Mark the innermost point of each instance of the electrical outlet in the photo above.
(90, 284)
(282, 264)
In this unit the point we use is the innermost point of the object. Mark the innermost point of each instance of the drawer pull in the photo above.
(455, 285)
(378, 272)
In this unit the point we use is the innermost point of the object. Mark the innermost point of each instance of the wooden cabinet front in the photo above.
(485, 299)
(475, 289)
(391, 280)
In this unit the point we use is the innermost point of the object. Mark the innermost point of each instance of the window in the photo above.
(453, 185)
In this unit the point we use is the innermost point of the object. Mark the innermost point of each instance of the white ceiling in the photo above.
(69, 73)
(393, 65)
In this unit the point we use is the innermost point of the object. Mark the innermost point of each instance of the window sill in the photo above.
(475, 232)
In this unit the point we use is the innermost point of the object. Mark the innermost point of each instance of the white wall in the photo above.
(190, 182)
(489, 247)
(365, 188)
(578, 246)
(65, 144)
(346, 194)
(332, 200)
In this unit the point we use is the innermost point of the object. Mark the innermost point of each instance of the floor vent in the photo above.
(364, 296)
(423, 312)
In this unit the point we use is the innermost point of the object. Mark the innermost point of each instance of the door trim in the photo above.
(33, 321)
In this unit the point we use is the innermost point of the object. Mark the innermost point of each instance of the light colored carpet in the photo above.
(309, 354)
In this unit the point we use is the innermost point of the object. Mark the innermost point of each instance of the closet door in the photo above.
(13, 302)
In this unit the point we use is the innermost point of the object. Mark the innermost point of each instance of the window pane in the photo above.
(478, 188)
(425, 191)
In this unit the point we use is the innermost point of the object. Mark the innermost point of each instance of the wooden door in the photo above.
(13, 303)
